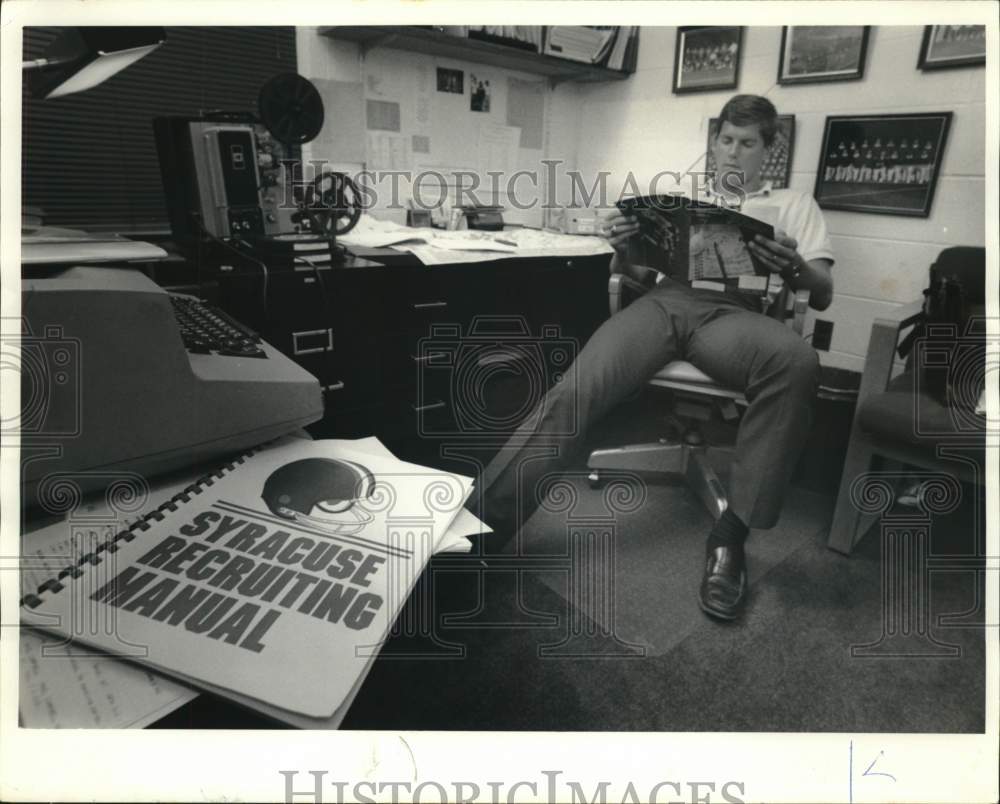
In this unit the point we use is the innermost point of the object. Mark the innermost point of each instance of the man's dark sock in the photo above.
(728, 531)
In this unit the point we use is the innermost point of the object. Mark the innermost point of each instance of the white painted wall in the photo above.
(452, 127)
(882, 261)
(638, 125)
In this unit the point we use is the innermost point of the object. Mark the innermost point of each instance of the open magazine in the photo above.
(698, 243)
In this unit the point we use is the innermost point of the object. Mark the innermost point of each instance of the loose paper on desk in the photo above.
(435, 247)
(69, 686)
(275, 582)
(373, 233)
(527, 243)
(465, 524)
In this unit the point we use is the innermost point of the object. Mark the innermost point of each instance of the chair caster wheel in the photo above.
(595, 480)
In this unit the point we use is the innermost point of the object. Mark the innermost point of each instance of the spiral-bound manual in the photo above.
(273, 581)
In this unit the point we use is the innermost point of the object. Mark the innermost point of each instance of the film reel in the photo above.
(291, 108)
(332, 204)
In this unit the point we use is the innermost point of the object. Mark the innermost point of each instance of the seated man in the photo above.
(720, 333)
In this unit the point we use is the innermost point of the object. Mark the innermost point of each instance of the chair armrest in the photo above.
(800, 306)
(902, 316)
(622, 290)
(881, 354)
(792, 305)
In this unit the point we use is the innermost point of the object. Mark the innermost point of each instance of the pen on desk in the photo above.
(722, 264)
(505, 242)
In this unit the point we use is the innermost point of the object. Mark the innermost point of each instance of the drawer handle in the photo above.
(429, 305)
(337, 386)
(309, 342)
(428, 356)
(427, 407)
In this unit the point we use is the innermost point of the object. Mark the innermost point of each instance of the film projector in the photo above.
(234, 182)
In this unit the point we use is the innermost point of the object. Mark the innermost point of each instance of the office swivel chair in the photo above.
(695, 397)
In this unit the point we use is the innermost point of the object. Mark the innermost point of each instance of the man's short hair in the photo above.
(747, 110)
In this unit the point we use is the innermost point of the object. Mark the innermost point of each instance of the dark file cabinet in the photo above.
(430, 354)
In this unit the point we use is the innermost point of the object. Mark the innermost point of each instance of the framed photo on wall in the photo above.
(947, 46)
(778, 163)
(886, 164)
(814, 53)
(707, 58)
(450, 81)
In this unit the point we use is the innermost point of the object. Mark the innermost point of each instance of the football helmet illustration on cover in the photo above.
(324, 493)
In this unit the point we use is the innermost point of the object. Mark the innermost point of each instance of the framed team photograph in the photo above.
(947, 46)
(450, 81)
(778, 162)
(885, 164)
(814, 53)
(707, 58)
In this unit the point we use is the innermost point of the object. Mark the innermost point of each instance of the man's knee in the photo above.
(800, 366)
(802, 357)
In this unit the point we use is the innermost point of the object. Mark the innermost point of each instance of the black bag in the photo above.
(942, 323)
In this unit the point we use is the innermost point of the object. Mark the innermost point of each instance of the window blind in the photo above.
(89, 159)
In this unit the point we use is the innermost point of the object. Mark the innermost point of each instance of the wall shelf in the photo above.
(437, 43)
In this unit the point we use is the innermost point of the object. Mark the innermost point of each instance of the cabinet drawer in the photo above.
(405, 418)
(413, 297)
(346, 382)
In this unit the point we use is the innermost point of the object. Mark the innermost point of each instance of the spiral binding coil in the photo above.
(74, 571)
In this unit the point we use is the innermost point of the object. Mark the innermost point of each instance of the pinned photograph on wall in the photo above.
(708, 58)
(778, 160)
(885, 164)
(947, 46)
(450, 81)
(814, 53)
(480, 89)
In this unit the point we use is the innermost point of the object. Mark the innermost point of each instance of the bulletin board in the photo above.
(413, 112)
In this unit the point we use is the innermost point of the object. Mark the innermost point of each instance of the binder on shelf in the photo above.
(523, 37)
(619, 52)
(584, 43)
(632, 51)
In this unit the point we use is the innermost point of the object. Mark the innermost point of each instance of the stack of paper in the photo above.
(45, 245)
(586, 43)
(66, 686)
(441, 247)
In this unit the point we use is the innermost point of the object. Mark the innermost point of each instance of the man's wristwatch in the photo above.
(792, 272)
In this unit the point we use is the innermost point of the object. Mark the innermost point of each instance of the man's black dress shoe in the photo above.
(724, 585)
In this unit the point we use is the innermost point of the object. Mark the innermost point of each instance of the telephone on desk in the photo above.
(120, 376)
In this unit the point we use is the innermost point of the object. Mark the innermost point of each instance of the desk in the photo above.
(370, 326)
(375, 330)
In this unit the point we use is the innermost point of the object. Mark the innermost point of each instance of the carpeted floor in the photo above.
(786, 666)
(659, 550)
(505, 649)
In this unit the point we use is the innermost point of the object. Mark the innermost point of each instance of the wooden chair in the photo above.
(896, 421)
